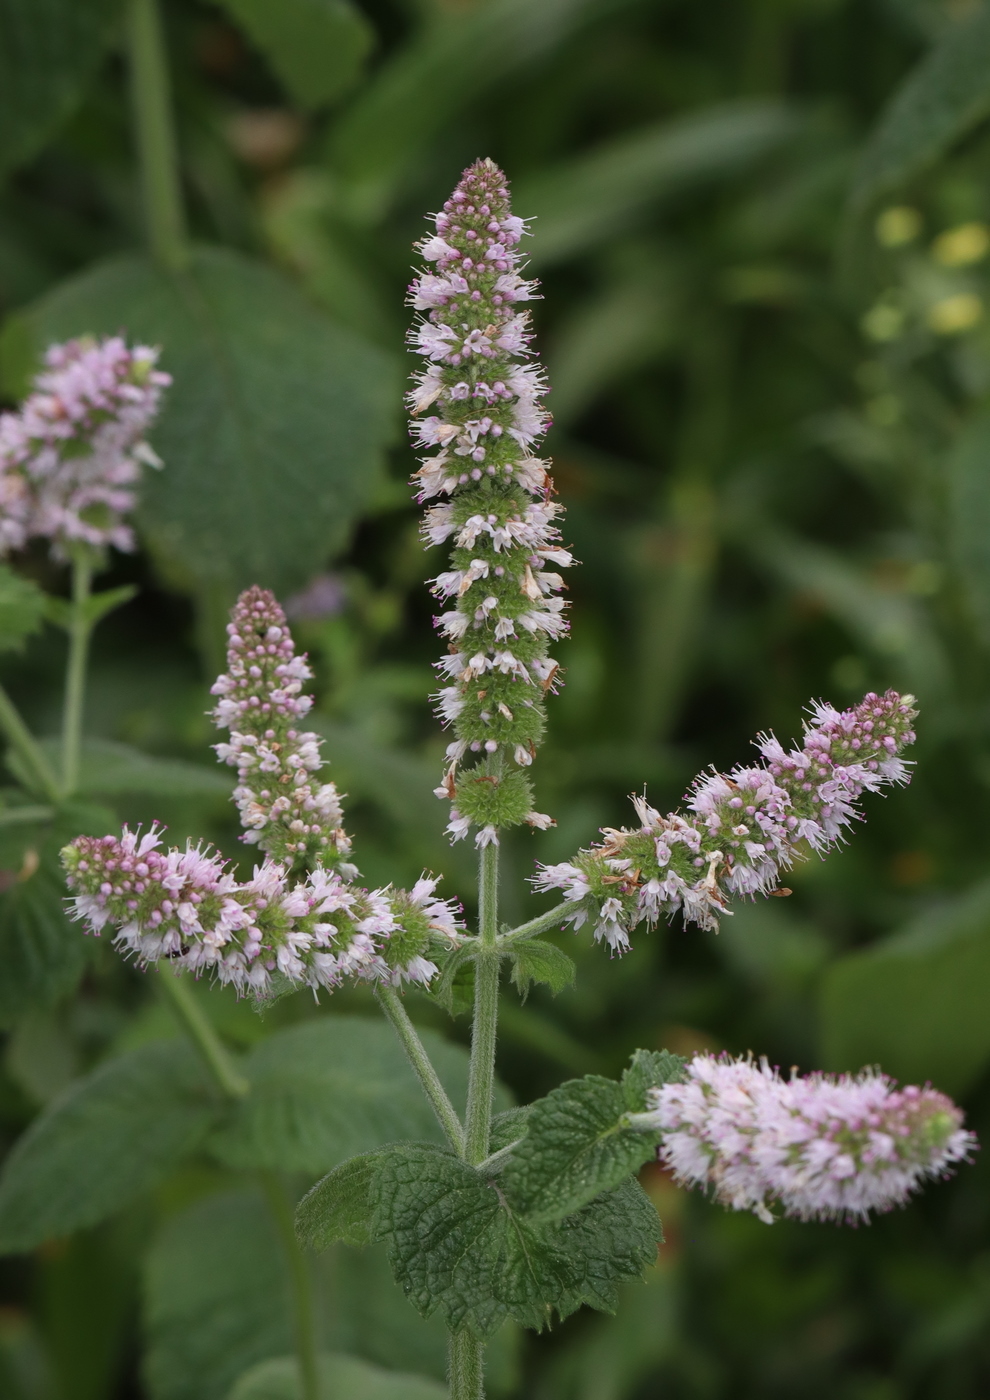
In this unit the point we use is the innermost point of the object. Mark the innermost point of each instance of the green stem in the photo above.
(199, 1030)
(22, 741)
(25, 816)
(302, 1287)
(542, 923)
(157, 147)
(391, 1004)
(465, 1372)
(481, 1081)
(80, 631)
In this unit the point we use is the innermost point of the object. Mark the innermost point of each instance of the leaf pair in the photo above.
(556, 1223)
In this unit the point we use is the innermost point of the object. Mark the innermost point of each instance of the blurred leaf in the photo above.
(97, 606)
(50, 51)
(272, 409)
(968, 469)
(420, 91)
(339, 1206)
(587, 201)
(331, 1089)
(115, 1133)
(109, 769)
(575, 1147)
(537, 961)
(317, 47)
(22, 609)
(939, 101)
(42, 952)
(916, 1003)
(340, 1376)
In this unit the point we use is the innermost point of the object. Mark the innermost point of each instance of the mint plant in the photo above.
(529, 1213)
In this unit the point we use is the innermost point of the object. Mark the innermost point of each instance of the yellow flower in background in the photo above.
(897, 225)
(961, 246)
(955, 314)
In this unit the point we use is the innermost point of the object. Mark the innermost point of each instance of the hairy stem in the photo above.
(302, 1287)
(542, 923)
(80, 631)
(37, 770)
(481, 1081)
(391, 1004)
(465, 1372)
(202, 1034)
(155, 130)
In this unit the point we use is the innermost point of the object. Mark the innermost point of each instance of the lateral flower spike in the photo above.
(741, 829)
(478, 405)
(823, 1147)
(283, 806)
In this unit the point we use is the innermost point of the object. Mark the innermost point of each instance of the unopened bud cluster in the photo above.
(189, 907)
(741, 829)
(283, 806)
(822, 1147)
(478, 404)
(70, 456)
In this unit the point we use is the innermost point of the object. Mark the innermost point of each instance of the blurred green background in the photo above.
(762, 229)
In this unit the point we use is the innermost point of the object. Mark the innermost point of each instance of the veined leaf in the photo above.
(49, 53)
(574, 1149)
(535, 960)
(339, 1377)
(272, 430)
(317, 47)
(331, 1089)
(339, 1206)
(916, 1003)
(648, 1070)
(115, 1133)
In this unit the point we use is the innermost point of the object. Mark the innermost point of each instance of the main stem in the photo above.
(80, 631)
(464, 1352)
(302, 1287)
(157, 147)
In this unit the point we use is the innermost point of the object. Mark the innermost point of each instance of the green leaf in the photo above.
(575, 1148)
(454, 988)
(272, 431)
(339, 1206)
(109, 769)
(585, 202)
(916, 1003)
(42, 951)
(509, 1126)
(938, 102)
(648, 1070)
(316, 47)
(22, 609)
(457, 1245)
(340, 1376)
(97, 606)
(112, 1135)
(50, 51)
(332, 1089)
(537, 961)
(969, 517)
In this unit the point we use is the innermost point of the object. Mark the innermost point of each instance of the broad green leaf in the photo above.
(509, 1126)
(537, 961)
(112, 1135)
(97, 606)
(22, 609)
(109, 769)
(418, 93)
(272, 430)
(454, 988)
(587, 201)
(938, 102)
(916, 1003)
(331, 1089)
(50, 51)
(42, 951)
(339, 1206)
(317, 47)
(968, 470)
(458, 1247)
(648, 1070)
(575, 1148)
(339, 1376)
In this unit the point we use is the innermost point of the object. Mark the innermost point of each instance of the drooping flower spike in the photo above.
(69, 458)
(188, 907)
(741, 829)
(283, 807)
(478, 404)
(820, 1146)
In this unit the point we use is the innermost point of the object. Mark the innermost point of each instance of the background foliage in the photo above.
(762, 228)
